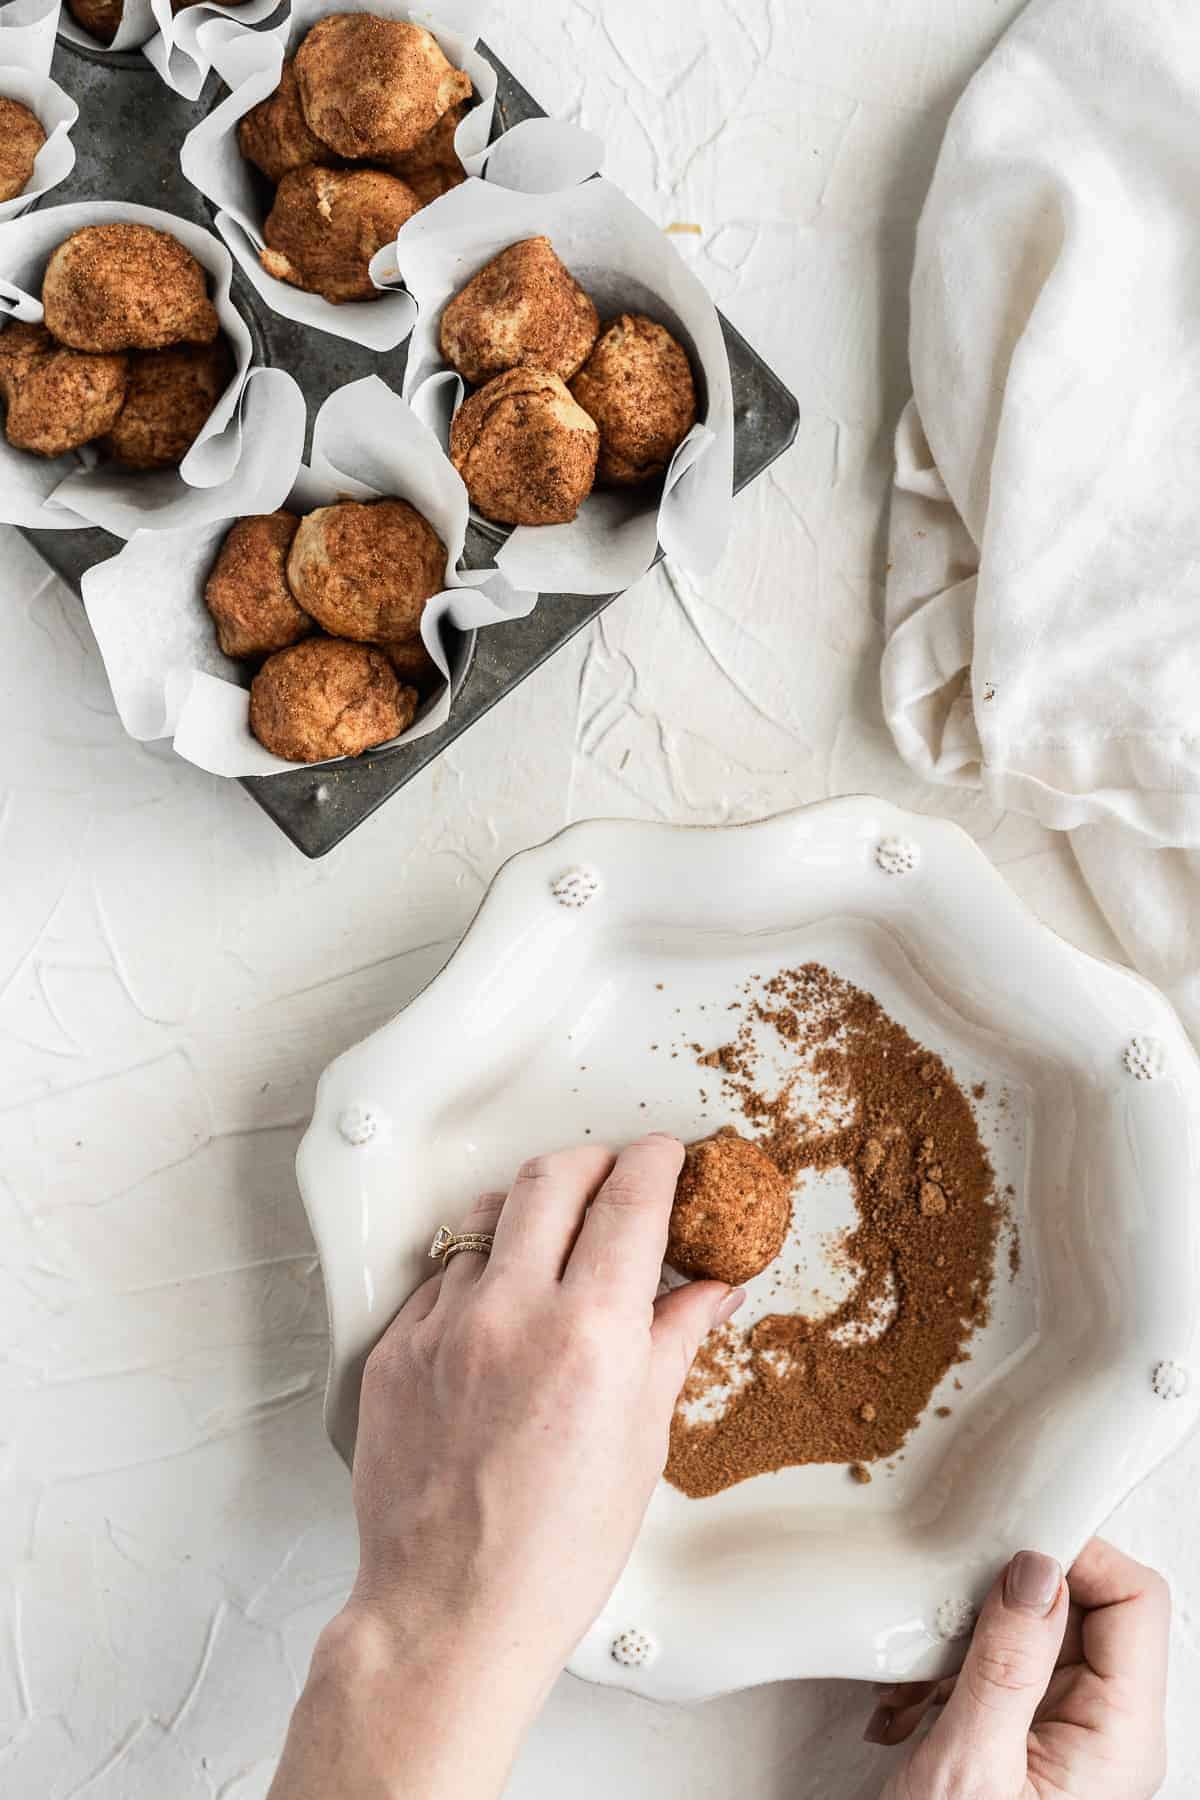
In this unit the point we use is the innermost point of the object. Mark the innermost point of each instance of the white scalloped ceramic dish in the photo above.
(539, 1030)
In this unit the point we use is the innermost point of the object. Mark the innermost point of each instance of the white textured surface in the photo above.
(173, 975)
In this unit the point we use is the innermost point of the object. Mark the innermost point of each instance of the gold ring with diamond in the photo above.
(448, 1243)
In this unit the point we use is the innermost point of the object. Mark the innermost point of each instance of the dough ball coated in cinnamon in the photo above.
(99, 17)
(414, 665)
(247, 592)
(731, 1213)
(56, 399)
(637, 385)
(274, 135)
(364, 570)
(327, 224)
(21, 137)
(435, 150)
(324, 698)
(171, 394)
(375, 87)
(523, 309)
(126, 287)
(525, 450)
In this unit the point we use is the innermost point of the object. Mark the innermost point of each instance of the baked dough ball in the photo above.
(523, 309)
(247, 592)
(525, 450)
(327, 224)
(21, 137)
(732, 1210)
(99, 17)
(56, 399)
(365, 569)
(431, 184)
(126, 287)
(274, 135)
(326, 698)
(171, 393)
(435, 150)
(414, 665)
(374, 87)
(637, 385)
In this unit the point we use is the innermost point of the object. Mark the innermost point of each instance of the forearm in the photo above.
(382, 1718)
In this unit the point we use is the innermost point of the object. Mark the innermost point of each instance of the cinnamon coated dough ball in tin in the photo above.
(373, 88)
(524, 309)
(126, 287)
(414, 665)
(637, 385)
(21, 137)
(324, 698)
(731, 1213)
(435, 150)
(364, 569)
(275, 136)
(171, 394)
(327, 224)
(98, 17)
(247, 592)
(525, 450)
(56, 399)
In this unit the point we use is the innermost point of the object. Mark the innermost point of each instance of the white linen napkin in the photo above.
(1043, 603)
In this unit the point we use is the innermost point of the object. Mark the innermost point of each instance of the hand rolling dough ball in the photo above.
(522, 309)
(525, 450)
(364, 570)
(374, 87)
(247, 591)
(637, 385)
(327, 224)
(274, 135)
(56, 399)
(171, 394)
(100, 18)
(324, 698)
(21, 137)
(732, 1210)
(126, 287)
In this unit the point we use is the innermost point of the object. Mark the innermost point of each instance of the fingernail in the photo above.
(729, 1306)
(879, 1725)
(1031, 1583)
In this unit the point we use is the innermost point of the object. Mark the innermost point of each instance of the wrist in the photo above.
(437, 1707)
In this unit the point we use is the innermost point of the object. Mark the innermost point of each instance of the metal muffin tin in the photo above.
(127, 141)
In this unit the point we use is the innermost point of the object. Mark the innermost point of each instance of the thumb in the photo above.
(683, 1319)
(985, 1726)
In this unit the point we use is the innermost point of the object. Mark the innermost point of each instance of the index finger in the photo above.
(1127, 1615)
(620, 1249)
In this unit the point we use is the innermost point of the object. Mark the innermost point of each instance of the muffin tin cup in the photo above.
(249, 63)
(58, 113)
(626, 264)
(146, 605)
(257, 424)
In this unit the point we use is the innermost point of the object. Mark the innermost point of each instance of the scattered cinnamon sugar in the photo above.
(859, 1472)
(848, 1387)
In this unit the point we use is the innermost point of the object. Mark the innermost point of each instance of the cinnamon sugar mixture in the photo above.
(850, 1386)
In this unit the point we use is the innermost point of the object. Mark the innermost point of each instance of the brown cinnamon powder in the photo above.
(850, 1386)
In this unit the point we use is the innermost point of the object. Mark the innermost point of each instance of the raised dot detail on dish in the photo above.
(575, 887)
(1145, 1058)
(954, 1619)
(1170, 1380)
(633, 1649)
(358, 1125)
(897, 856)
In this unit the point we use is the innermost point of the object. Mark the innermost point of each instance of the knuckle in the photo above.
(1000, 1668)
(623, 1189)
(539, 1168)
